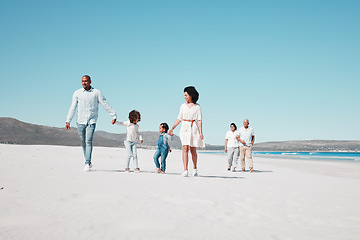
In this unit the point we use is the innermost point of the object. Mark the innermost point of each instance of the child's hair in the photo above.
(165, 126)
(134, 115)
(233, 124)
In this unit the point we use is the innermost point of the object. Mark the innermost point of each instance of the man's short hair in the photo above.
(87, 77)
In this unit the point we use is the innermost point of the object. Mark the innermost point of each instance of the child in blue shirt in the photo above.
(163, 148)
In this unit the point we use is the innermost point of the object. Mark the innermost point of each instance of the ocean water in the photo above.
(329, 156)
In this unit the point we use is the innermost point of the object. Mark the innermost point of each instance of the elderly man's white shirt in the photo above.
(246, 135)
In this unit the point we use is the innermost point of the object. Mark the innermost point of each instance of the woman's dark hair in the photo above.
(192, 93)
(233, 124)
(165, 126)
(134, 115)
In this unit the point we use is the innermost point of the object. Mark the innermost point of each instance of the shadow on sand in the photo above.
(259, 171)
(171, 173)
(220, 177)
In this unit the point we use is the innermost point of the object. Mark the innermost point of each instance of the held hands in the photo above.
(170, 132)
(141, 141)
(239, 139)
(67, 126)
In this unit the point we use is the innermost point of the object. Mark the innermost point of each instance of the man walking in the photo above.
(247, 138)
(87, 100)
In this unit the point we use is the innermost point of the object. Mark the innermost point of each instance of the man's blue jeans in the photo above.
(162, 151)
(86, 132)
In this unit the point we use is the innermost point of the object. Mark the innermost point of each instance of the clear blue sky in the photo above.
(291, 67)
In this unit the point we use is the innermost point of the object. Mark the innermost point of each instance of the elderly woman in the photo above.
(191, 134)
(232, 147)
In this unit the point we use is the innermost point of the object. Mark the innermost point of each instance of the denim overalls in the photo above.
(163, 150)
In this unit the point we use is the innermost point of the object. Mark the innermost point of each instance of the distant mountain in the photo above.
(309, 146)
(13, 131)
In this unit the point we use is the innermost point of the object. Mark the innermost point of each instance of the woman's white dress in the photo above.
(190, 132)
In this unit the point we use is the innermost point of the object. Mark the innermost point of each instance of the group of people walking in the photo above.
(86, 100)
(239, 143)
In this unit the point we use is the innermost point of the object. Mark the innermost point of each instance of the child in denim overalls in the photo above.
(163, 148)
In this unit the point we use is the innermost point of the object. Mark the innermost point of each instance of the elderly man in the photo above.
(87, 101)
(246, 138)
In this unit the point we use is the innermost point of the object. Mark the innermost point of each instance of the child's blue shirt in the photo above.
(166, 138)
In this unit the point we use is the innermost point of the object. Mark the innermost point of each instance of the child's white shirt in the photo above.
(132, 130)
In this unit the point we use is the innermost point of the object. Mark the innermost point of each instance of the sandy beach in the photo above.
(46, 195)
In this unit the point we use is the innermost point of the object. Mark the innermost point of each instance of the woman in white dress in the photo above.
(191, 135)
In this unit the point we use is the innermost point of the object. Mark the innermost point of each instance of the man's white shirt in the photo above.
(246, 135)
(87, 104)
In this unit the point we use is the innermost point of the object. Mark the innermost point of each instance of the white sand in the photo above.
(46, 195)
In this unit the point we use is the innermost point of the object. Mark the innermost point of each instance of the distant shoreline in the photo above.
(17, 132)
(316, 156)
(258, 151)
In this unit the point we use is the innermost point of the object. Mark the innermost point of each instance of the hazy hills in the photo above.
(13, 131)
(309, 146)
